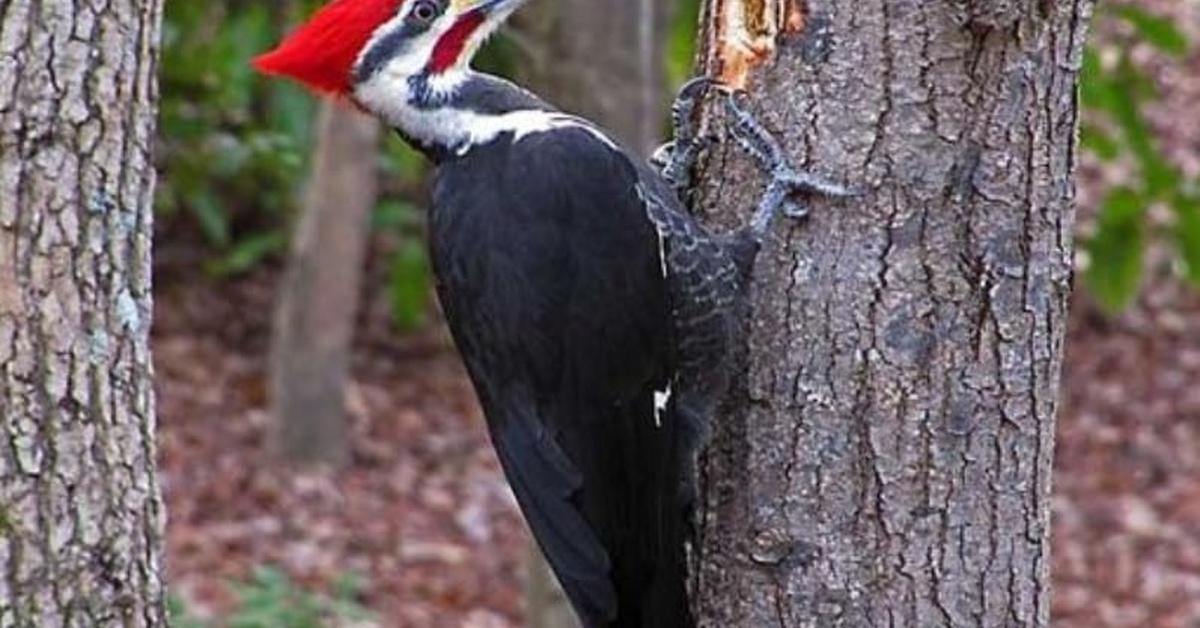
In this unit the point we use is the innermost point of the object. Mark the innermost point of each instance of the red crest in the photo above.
(322, 52)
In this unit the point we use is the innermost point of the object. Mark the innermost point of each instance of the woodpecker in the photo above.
(594, 315)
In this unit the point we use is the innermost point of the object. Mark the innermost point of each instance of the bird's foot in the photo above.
(676, 158)
(785, 180)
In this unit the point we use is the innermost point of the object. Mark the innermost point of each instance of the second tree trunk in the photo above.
(886, 458)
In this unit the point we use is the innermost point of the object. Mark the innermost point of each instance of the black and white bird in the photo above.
(595, 316)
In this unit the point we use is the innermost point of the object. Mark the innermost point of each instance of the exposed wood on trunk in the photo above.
(318, 302)
(81, 518)
(885, 459)
(744, 34)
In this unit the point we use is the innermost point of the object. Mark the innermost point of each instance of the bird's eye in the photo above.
(425, 11)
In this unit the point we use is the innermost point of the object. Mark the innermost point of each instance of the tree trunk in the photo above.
(885, 459)
(605, 61)
(81, 518)
(318, 301)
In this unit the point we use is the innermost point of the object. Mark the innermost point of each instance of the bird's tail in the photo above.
(652, 588)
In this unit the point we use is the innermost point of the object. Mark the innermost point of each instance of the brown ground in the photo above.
(423, 514)
(1127, 483)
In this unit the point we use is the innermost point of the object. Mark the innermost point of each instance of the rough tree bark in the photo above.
(318, 300)
(885, 459)
(80, 513)
(606, 62)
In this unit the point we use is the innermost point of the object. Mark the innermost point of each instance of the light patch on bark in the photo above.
(80, 513)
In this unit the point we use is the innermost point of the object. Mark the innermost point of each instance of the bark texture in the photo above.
(80, 513)
(318, 301)
(885, 459)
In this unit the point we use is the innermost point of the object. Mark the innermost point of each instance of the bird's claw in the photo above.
(750, 134)
(676, 158)
(696, 88)
(785, 180)
(661, 157)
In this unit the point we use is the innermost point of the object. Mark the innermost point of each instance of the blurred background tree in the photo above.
(317, 300)
(418, 511)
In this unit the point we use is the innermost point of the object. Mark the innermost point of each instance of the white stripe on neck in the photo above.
(388, 95)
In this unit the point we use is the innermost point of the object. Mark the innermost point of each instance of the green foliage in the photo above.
(681, 48)
(1159, 32)
(1119, 243)
(409, 281)
(233, 147)
(401, 223)
(271, 600)
(408, 285)
(180, 616)
(1114, 95)
(1187, 233)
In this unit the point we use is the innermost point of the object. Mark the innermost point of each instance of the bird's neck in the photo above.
(447, 115)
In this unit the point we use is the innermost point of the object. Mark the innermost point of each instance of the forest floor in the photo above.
(423, 518)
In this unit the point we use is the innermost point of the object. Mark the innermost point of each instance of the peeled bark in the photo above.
(318, 301)
(81, 518)
(885, 459)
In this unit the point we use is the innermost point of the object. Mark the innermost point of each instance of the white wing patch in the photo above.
(661, 399)
(484, 129)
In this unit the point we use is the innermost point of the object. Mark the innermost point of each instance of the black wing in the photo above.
(550, 276)
(707, 277)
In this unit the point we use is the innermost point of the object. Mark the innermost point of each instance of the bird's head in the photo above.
(349, 44)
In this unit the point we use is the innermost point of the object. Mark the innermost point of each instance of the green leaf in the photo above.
(291, 113)
(502, 55)
(271, 600)
(1116, 250)
(1187, 235)
(409, 285)
(211, 216)
(1098, 90)
(247, 253)
(1159, 176)
(348, 586)
(681, 45)
(395, 214)
(1157, 31)
(1098, 142)
(402, 162)
(179, 615)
